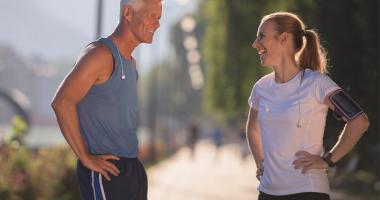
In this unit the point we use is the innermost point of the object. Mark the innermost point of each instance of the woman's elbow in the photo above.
(363, 122)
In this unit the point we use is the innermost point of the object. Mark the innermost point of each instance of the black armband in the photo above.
(344, 105)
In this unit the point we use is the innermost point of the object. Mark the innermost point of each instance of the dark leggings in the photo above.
(298, 196)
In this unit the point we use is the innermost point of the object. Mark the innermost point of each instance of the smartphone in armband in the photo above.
(345, 106)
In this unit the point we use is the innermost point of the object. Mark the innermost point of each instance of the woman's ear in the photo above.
(284, 37)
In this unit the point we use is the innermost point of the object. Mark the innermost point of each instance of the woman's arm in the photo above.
(254, 141)
(352, 132)
(350, 135)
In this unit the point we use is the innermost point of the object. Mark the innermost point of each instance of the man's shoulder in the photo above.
(95, 57)
(97, 50)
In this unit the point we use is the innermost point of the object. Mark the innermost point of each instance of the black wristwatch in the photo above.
(327, 159)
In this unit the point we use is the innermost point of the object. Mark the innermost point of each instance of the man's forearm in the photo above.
(69, 124)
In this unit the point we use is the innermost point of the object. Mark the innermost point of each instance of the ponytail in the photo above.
(313, 56)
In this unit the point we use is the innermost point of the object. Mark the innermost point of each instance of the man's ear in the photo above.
(127, 13)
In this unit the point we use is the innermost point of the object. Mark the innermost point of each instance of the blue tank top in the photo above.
(108, 112)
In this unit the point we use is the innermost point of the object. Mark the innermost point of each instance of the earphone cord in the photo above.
(121, 61)
(299, 103)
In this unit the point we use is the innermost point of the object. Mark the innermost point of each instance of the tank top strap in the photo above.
(111, 46)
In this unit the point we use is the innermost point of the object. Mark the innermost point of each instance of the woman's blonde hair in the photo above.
(311, 55)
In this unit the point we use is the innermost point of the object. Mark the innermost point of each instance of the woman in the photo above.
(288, 110)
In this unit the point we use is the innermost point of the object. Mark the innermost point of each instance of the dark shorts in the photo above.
(298, 196)
(131, 184)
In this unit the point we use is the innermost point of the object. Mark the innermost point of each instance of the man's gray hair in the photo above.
(131, 2)
(125, 2)
(135, 4)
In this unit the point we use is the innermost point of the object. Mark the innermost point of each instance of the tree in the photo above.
(352, 41)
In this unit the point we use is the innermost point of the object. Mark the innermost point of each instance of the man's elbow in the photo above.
(58, 104)
(55, 104)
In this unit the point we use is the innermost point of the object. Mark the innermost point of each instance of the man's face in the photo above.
(145, 21)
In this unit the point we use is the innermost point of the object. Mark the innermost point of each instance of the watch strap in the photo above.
(327, 159)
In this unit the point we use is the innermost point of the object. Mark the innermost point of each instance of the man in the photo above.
(96, 107)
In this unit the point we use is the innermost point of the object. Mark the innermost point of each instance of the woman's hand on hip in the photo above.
(307, 161)
(260, 170)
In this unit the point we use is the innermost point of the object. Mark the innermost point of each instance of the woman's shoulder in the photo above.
(265, 80)
(321, 81)
(316, 76)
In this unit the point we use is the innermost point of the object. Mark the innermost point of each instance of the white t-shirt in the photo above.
(280, 106)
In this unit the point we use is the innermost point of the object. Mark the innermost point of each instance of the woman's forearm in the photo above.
(254, 137)
(350, 135)
(255, 147)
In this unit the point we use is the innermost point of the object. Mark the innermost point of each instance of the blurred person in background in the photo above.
(217, 139)
(192, 138)
(96, 107)
(288, 109)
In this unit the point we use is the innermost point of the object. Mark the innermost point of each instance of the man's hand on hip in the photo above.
(100, 163)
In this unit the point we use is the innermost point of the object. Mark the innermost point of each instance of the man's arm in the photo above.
(90, 69)
(254, 141)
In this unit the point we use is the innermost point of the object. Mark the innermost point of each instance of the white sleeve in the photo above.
(324, 86)
(253, 100)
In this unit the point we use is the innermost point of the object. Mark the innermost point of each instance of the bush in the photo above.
(46, 173)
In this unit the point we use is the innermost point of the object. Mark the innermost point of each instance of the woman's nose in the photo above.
(254, 44)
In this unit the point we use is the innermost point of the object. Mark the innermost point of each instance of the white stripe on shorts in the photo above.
(92, 182)
(101, 186)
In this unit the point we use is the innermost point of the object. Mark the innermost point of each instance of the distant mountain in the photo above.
(31, 31)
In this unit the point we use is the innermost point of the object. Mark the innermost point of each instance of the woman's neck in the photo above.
(286, 71)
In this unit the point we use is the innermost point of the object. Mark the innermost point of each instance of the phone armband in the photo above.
(344, 105)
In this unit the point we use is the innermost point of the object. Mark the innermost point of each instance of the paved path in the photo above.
(208, 176)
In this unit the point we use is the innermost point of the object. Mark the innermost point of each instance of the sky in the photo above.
(58, 30)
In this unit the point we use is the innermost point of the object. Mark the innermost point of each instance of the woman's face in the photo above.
(267, 44)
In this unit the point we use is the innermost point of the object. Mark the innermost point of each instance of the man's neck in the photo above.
(125, 41)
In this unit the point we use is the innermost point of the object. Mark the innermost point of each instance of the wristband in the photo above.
(327, 159)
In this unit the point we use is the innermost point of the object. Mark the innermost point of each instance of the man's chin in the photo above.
(148, 41)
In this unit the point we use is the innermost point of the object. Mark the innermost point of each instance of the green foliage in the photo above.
(18, 130)
(48, 173)
(352, 40)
